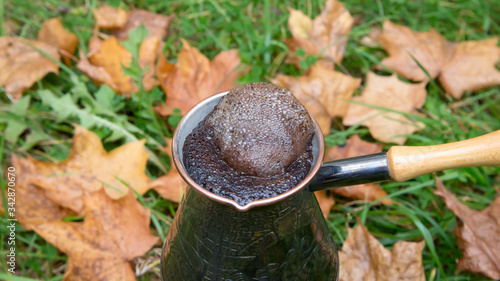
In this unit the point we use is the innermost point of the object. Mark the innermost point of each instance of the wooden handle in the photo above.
(409, 162)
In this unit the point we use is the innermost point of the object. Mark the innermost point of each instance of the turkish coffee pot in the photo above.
(286, 237)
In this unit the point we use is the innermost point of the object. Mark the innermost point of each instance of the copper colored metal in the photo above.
(280, 238)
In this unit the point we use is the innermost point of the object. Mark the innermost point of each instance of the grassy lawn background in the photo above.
(257, 28)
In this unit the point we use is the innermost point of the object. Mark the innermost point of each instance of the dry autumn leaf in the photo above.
(108, 17)
(148, 53)
(354, 147)
(54, 33)
(477, 234)
(430, 49)
(194, 77)
(112, 233)
(391, 93)
(465, 66)
(471, 67)
(89, 167)
(108, 56)
(326, 35)
(325, 201)
(363, 258)
(330, 88)
(170, 186)
(22, 65)
(156, 24)
(32, 207)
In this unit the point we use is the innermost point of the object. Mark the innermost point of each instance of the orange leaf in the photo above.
(148, 54)
(430, 49)
(477, 234)
(22, 65)
(325, 201)
(112, 233)
(171, 186)
(54, 33)
(326, 35)
(330, 88)
(109, 56)
(471, 67)
(354, 147)
(156, 24)
(33, 207)
(466, 66)
(364, 258)
(194, 77)
(107, 17)
(89, 167)
(387, 92)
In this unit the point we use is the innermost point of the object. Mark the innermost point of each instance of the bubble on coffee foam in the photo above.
(260, 129)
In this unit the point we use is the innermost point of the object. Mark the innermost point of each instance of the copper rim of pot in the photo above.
(195, 115)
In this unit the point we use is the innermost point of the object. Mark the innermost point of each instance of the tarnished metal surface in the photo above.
(285, 241)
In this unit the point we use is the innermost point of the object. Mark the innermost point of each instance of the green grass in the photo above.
(256, 29)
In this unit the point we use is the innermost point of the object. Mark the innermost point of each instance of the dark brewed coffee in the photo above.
(255, 144)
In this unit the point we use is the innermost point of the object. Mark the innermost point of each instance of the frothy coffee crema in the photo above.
(255, 144)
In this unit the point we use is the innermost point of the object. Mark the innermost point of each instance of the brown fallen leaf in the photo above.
(22, 65)
(89, 167)
(477, 234)
(194, 77)
(108, 17)
(110, 56)
(54, 33)
(325, 201)
(465, 66)
(363, 258)
(148, 53)
(354, 147)
(156, 24)
(325, 36)
(112, 233)
(392, 93)
(330, 88)
(319, 112)
(471, 67)
(97, 73)
(32, 207)
(430, 49)
(170, 186)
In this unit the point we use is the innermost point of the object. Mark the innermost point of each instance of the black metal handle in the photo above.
(351, 171)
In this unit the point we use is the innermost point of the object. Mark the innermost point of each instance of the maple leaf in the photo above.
(387, 92)
(354, 147)
(330, 88)
(194, 77)
(156, 24)
(170, 186)
(325, 201)
(430, 49)
(477, 234)
(148, 53)
(108, 17)
(363, 258)
(325, 36)
(33, 207)
(112, 233)
(471, 67)
(22, 65)
(465, 66)
(54, 33)
(89, 167)
(105, 63)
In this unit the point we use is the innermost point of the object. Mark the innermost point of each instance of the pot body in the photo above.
(288, 240)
